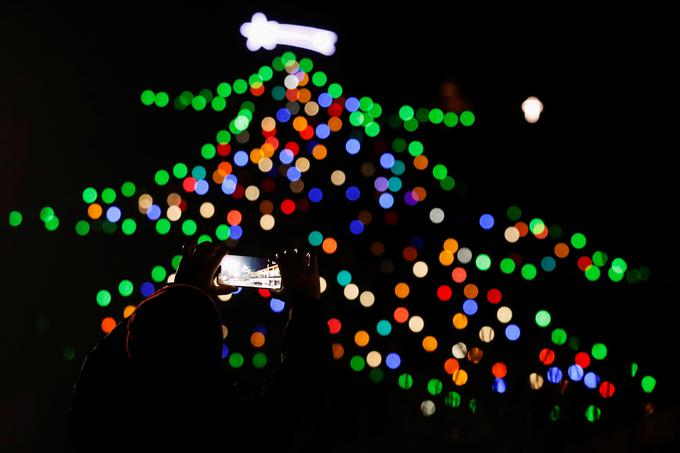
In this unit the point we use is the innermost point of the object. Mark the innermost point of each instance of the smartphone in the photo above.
(249, 271)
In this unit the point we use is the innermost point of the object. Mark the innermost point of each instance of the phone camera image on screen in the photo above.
(249, 271)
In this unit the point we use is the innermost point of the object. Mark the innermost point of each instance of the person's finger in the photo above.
(313, 263)
(223, 290)
(189, 247)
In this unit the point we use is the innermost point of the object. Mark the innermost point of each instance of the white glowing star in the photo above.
(261, 33)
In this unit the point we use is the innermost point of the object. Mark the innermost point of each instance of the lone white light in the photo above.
(532, 108)
(261, 33)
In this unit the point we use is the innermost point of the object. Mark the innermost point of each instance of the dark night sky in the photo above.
(70, 79)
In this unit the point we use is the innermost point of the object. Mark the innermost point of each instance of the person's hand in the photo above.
(299, 276)
(200, 266)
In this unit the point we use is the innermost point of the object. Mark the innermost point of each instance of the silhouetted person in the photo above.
(158, 380)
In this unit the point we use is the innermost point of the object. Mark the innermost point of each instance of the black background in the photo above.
(599, 159)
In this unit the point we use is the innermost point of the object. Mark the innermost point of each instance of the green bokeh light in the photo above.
(439, 171)
(15, 218)
(162, 99)
(108, 195)
(180, 170)
(452, 399)
(236, 360)
(436, 116)
(129, 226)
(529, 271)
(555, 413)
(372, 129)
(125, 288)
(223, 137)
(198, 103)
(592, 273)
(208, 151)
(599, 351)
(103, 298)
(147, 97)
(416, 148)
(543, 318)
(405, 381)
(593, 413)
(161, 177)
(578, 240)
(82, 228)
(376, 375)
(222, 232)
(357, 363)
(448, 183)
(128, 189)
(163, 226)
(399, 145)
(467, 118)
(406, 112)
(218, 104)
(224, 89)
(46, 214)
(434, 387)
(319, 78)
(559, 336)
(306, 64)
(411, 125)
(648, 383)
(89, 195)
(189, 227)
(365, 103)
(600, 258)
(259, 360)
(450, 119)
(507, 266)
(335, 90)
(240, 86)
(52, 224)
(514, 213)
(483, 262)
(158, 273)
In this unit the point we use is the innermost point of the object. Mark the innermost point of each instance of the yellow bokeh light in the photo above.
(351, 291)
(252, 193)
(361, 338)
(207, 210)
(451, 245)
(267, 222)
(174, 213)
(416, 324)
(373, 359)
(446, 257)
(420, 269)
(401, 290)
(128, 310)
(430, 343)
(459, 377)
(504, 314)
(511, 234)
(302, 164)
(338, 177)
(460, 321)
(366, 299)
